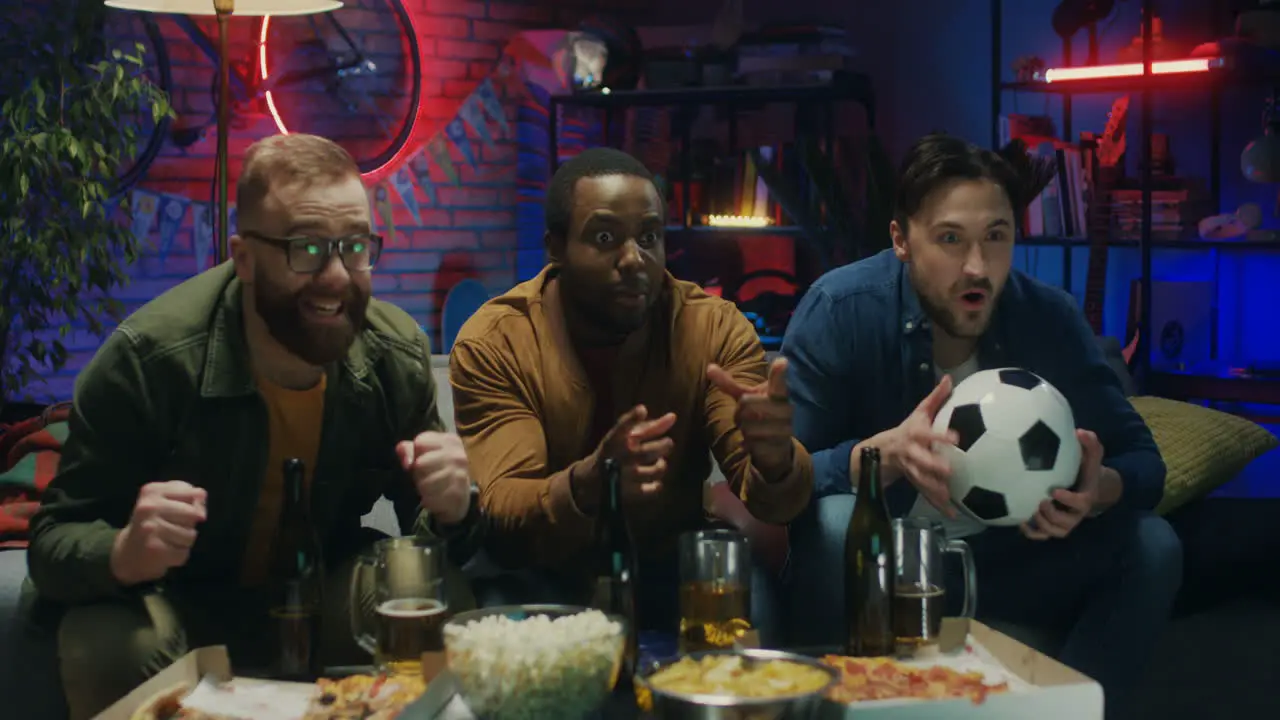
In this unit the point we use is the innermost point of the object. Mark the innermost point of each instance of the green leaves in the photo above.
(64, 138)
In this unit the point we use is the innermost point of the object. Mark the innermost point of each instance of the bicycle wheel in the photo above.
(353, 75)
(124, 31)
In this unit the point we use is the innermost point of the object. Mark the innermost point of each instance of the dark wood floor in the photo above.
(1220, 663)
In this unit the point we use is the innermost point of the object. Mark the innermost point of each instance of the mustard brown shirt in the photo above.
(524, 407)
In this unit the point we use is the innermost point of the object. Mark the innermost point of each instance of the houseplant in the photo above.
(63, 142)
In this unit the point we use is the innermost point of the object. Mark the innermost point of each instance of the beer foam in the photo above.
(411, 607)
(536, 666)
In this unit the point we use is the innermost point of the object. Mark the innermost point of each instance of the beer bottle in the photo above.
(614, 575)
(869, 566)
(297, 582)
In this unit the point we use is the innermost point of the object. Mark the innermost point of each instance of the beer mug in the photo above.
(919, 598)
(715, 589)
(398, 604)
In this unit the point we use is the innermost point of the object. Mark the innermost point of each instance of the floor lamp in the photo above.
(224, 9)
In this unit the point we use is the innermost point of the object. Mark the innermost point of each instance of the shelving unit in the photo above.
(1172, 384)
(1070, 243)
(808, 99)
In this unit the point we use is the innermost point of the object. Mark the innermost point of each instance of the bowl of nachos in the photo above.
(747, 684)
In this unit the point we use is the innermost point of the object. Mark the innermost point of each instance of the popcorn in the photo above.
(537, 667)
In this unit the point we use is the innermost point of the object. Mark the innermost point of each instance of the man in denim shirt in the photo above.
(875, 348)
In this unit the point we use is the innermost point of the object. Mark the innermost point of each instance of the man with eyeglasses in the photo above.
(155, 533)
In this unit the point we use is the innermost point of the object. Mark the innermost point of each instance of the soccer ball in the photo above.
(1016, 444)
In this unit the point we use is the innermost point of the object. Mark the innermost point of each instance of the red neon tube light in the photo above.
(262, 68)
(372, 175)
(1159, 67)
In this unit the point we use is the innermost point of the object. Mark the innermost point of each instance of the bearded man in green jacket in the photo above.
(153, 537)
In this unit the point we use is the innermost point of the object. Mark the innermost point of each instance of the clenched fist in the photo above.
(160, 532)
(437, 465)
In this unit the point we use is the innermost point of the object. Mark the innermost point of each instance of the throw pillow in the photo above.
(1202, 448)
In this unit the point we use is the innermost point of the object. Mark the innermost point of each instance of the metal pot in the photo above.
(677, 706)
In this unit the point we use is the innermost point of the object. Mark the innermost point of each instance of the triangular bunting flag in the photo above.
(473, 115)
(439, 150)
(488, 98)
(421, 168)
(456, 131)
(402, 181)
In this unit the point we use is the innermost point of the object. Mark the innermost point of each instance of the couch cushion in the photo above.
(1202, 448)
(29, 681)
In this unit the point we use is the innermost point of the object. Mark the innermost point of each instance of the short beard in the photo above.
(281, 312)
(939, 314)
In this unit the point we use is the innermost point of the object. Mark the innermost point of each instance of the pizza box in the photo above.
(1040, 687)
(279, 698)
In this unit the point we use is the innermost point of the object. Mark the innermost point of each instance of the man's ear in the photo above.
(242, 256)
(555, 247)
(899, 235)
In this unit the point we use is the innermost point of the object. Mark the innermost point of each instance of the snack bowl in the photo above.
(673, 705)
(532, 661)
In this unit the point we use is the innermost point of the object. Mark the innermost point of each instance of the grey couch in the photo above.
(1226, 542)
(30, 688)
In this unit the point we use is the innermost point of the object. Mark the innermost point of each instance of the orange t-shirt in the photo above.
(294, 420)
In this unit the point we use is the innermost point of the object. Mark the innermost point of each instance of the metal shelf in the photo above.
(1246, 67)
(854, 87)
(1063, 242)
(1262, 389)
(816, 102)
(789, 230)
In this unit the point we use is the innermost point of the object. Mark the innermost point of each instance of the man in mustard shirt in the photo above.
(153, 536)
(605, 355)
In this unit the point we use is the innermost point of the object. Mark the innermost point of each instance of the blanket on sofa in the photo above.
(29, 454)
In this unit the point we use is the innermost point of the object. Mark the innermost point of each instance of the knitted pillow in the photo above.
(1202, 448)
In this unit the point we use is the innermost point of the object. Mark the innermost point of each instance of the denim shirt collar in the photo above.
(913, 320)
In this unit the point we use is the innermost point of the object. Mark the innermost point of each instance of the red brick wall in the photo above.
(469, 232)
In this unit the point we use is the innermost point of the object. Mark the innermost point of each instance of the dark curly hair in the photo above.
(591, 163)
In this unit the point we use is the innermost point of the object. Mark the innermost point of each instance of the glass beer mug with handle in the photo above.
(398, 604)
(919, 598)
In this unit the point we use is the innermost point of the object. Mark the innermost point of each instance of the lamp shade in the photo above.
(242, 7)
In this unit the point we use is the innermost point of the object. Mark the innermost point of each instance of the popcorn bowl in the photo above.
(534, 661)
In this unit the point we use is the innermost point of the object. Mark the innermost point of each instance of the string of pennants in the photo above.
(165, 213)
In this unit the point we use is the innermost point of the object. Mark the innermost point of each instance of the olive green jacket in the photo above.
(171, 396)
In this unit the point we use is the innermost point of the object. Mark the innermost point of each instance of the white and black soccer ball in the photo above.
(1016, 444)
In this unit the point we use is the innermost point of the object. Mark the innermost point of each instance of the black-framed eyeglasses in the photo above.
(309, 255)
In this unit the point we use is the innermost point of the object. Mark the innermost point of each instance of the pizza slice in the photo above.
(369, 697)
(863, 679)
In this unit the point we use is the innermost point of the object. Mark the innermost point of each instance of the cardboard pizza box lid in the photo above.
(1057, 692)
(187, 670)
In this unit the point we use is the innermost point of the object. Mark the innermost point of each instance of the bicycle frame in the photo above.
(249, 82)
(245, 88)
